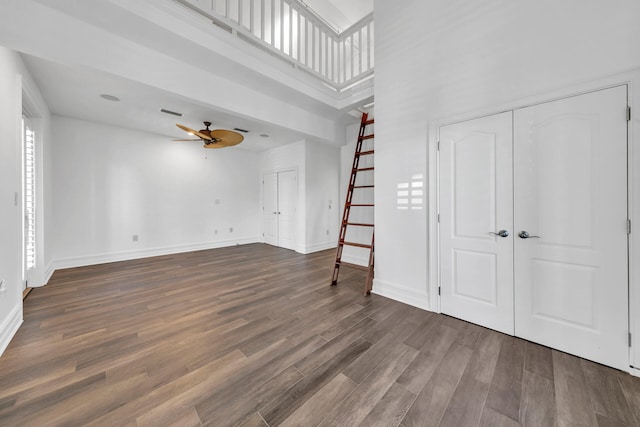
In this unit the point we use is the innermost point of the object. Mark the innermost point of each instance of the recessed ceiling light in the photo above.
(109, 97)
(264, 135)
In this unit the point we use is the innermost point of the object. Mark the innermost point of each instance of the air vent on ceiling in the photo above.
(173, 113)
(241, 130)
(109, 97)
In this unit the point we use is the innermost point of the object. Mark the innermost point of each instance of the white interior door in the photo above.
(270, 208)
(476, 202)
(287, 208)
(570, 164)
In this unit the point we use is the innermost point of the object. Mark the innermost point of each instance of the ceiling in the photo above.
(72, 88)
(74, 91)
(341, 14)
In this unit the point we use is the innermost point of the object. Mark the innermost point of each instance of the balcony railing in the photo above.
(292, 31)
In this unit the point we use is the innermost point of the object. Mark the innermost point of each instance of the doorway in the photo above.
(533, 224)
(29, 208)
(280, 206)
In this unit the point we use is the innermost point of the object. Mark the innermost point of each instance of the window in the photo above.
(29, 196)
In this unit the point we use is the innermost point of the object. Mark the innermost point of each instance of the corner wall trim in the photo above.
(402, 294)
(317, 247)
(48, 273)
(9, 328)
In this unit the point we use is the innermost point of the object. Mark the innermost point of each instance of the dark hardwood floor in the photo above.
(254, 336)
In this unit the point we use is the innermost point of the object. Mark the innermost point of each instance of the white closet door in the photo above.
(570, 180)
(476, 201)
(287, 208)
(270, 208)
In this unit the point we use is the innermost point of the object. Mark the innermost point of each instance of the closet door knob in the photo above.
(501, 233)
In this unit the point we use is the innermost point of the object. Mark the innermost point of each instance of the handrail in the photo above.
(291, 30)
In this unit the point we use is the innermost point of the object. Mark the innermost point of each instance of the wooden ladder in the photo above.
(362, 137)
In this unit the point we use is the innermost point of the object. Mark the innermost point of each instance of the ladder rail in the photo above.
(355, 169)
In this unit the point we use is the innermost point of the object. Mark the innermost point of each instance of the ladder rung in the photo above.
(359, 204)
(359, 224)
(362, 138)
(369, 122)
(363, 186)
(365, 153)
(364, 169)
(348, 264)
(359, 245)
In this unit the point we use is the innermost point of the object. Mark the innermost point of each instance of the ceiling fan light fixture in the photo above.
(214, 138)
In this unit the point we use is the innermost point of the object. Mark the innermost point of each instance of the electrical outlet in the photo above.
(134, 237)
(3, 286)
(215, 231)
(230, 229)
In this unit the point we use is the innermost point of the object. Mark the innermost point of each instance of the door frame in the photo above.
(33, 108)
(29, 272)
(632, 80)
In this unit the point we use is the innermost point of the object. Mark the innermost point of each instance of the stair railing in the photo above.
(292, 31)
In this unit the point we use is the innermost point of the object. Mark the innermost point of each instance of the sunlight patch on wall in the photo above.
(410, 195)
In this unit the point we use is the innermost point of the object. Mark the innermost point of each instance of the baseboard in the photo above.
(146, 253)
(355, 260)
(634, 371)
(402, 294)
(317, 247)
(9, 327)
(48, 273)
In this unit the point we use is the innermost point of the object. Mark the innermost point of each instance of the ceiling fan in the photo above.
(217, 138)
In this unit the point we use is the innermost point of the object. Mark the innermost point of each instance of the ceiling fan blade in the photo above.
(195, 132)
(212, 145)
(228, 138)
(197, 139)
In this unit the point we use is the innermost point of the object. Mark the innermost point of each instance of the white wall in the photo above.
(112, 183)
(14, 82)
(322, 187)
(444, 58)
(10, 212)
(318, 168)
(288, 157)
